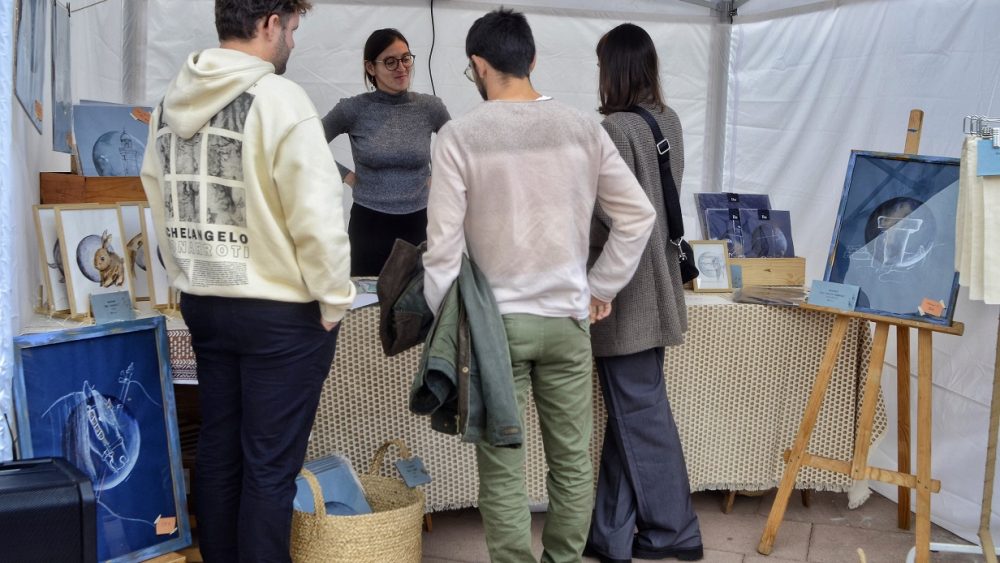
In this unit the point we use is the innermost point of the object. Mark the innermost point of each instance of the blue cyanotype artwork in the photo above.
(29, 63)
(895, 234)
(727, 200)
(102, 398)
(767, 233)
(110, 138)
(724, 224)
(62, 92)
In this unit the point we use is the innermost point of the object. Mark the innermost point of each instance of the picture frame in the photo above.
(114, 417)
(92, 247)
(767, 233)
(135, 247)
(29, 61)
(110, 138)
(712, 259)
(156, 273)
(51, 260)
(62, 90)
(894, 236)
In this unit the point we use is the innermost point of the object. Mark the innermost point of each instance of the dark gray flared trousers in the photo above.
(643, 494)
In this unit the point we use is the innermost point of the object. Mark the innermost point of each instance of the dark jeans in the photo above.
(261, 366)
(373, 233)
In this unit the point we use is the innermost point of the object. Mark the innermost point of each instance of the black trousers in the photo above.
(643, 494)
(261, 367)
(373, 233)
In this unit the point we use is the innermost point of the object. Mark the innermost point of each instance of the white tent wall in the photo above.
(328, 54)
(806, 86)
(8, 188)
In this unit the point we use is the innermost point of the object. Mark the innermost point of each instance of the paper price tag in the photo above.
(932, 308)
(987, 159)
(413, 471)
(166, 525)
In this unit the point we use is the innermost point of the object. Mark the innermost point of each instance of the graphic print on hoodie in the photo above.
(205, 187)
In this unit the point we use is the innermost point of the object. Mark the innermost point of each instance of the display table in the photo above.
(738, 387)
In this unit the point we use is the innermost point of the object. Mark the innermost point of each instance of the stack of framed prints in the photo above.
(102, 397)
(895, 235)
(90, 249)
(747, 224)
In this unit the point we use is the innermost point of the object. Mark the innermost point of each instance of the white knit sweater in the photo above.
(514, 185)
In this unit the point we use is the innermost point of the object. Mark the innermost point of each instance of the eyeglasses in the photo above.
(391, 63)
(470, 72)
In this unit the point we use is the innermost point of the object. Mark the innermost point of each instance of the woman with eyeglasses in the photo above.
(390, 130)
(643, 503)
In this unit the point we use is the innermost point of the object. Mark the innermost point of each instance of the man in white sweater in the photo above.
(245, 198)
(514, 185)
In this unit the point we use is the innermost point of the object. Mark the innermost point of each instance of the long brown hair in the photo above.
(629, 69)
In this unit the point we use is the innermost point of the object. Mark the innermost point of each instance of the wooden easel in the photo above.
(858, 467)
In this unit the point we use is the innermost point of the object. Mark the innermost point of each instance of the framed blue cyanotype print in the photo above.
(895, 234)
(102, 397)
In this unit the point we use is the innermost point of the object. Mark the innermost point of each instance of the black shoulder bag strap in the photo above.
(671, 199)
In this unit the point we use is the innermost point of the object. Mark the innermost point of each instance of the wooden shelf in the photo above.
(65, 187)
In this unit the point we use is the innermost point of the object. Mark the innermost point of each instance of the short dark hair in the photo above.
(629, 69)
(503, 38)
(379, 41)
(237, 19)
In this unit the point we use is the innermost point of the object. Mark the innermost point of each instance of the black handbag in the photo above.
(671, 199)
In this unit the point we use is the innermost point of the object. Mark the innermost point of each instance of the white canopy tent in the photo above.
(772, 100)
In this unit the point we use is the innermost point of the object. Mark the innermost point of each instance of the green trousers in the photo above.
(552, 356)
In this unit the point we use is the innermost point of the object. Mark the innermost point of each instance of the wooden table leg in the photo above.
(925, 357)
(777, 513)
(903, 422)
(728, 501)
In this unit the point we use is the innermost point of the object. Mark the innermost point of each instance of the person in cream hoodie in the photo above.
(246, 202)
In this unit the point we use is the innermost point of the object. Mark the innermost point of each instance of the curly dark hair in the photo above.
(237, 19)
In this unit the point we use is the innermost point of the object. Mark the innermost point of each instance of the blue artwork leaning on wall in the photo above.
(102, 397)
(895, 234)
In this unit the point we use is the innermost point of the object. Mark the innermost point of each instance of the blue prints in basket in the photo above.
(340, 485)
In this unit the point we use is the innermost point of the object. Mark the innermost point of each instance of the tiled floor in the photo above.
(826, 532)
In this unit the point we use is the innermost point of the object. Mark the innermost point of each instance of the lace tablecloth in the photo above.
(738, 387)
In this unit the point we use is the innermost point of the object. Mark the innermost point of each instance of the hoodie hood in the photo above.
(208, 82)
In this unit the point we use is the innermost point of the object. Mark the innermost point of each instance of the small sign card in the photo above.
(831, 294)
(111, 307)
(988, 159)
(413, 471)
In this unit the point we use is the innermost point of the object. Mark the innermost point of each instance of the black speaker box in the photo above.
(47, 512)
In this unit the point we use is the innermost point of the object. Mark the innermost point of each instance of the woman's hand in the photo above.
(350, 179)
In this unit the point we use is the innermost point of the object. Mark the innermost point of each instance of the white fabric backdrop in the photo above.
(7, 261)
(808, 82)
(808, 86)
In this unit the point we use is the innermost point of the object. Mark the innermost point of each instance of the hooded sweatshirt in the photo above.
(245, 195)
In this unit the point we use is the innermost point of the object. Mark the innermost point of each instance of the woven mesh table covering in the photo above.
(738, 388)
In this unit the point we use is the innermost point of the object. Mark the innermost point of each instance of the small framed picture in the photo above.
(158, 281)
(102, 397)
(135, 247)
(50, 257)
(93, 253)
(712, 259)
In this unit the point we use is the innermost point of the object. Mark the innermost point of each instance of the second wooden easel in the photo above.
(858, 467)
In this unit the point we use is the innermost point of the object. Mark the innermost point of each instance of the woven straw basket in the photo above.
(390, 534)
